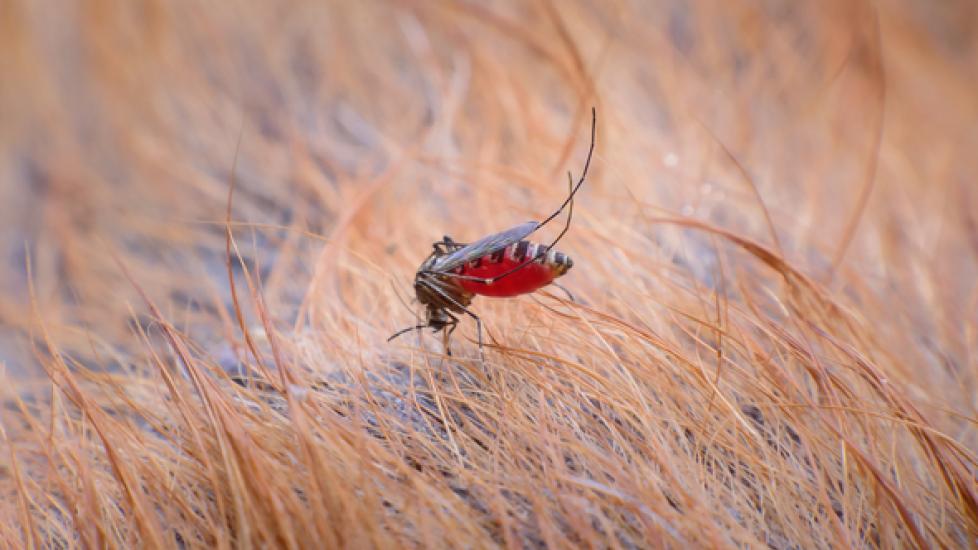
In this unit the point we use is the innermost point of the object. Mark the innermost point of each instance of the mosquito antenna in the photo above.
(403, 330)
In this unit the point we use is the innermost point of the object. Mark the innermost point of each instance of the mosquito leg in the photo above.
(434, 286)
(587, 164)
(482, 280)
(567, 292)
(478, 331)
(446, 245)
(546, 250)
(568, 203)
(451, 244)
(434, 253)
(540, 254)
(447, 335)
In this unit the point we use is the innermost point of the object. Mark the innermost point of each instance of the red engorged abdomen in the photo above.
(527, 279)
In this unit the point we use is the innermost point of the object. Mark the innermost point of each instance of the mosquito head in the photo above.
(437, 318)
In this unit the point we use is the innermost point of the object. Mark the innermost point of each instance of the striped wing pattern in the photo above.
(485, 245)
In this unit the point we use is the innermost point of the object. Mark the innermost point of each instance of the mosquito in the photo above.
(501, 265)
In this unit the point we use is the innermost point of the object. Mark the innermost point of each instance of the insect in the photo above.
(500, 265)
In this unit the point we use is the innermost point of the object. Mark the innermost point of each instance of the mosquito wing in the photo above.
(485, 245)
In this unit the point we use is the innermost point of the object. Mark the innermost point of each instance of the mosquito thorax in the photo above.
(436, 292)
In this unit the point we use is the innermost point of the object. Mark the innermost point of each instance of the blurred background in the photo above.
(839, 135)
(383, 125)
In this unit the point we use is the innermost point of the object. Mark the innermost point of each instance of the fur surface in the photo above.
(775, 335)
